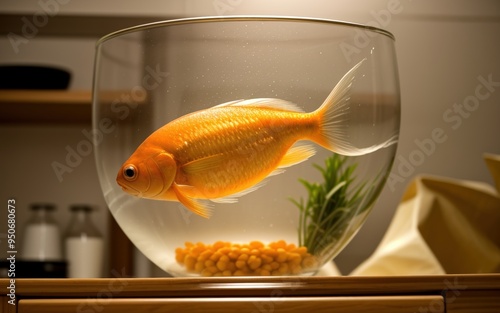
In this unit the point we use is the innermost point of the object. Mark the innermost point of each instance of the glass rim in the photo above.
(248, 18)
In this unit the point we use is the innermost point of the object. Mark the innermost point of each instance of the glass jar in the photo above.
(193, 72)
(42, 237)
(83, 244)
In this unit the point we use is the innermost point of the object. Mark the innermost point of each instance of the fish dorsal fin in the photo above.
(271, 103)
(225, 104)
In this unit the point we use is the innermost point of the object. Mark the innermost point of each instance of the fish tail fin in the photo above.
(333, 120)
(332, 115)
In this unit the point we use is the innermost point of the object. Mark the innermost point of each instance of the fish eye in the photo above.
(130, 172)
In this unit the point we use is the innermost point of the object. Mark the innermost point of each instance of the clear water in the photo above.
(150, 76)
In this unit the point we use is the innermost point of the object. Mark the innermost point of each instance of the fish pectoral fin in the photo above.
(202, 208)
(204, 164)
(296, 154)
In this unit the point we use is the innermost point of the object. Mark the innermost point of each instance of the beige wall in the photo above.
(445, 49)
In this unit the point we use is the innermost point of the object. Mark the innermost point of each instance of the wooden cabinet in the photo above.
(448, 293)
(384, 304)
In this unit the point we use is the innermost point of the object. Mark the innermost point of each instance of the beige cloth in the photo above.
(442, 226)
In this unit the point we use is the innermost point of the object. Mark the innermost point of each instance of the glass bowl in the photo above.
(317, 193)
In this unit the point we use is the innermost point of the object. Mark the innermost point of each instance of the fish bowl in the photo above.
(244, 145)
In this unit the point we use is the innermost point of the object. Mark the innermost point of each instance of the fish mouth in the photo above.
(130, 190)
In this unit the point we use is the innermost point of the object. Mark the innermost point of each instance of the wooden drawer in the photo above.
(385, 304)
(473, 301)
(412, 294)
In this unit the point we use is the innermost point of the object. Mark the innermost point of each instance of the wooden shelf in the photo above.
(78, 25)
(45, 106)
(440, 293)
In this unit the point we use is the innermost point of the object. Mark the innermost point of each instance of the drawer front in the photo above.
(473, 301)
(5, 306)
(385, 304)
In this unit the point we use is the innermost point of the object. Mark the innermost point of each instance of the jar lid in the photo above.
(81, 207)
(42, 206)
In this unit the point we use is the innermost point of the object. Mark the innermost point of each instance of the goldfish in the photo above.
(224, 152)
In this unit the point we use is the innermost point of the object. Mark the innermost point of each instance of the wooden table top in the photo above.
(254, 286)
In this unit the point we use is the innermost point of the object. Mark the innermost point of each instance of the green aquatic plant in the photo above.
(330, 205)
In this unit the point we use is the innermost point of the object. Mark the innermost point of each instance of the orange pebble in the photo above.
(215, 257)
(266, 259)
(301, 250)
(196, 250)
(218, 245)
(199, 266)
(264, 272)
(234, 254)
(204, 255)
(224, 250)
(255, 252)
(256, 244)
(179, 255)
(309, 262)
(189, 261)
(275, 265)
(282, 255)
(245, 250)
(206, 273)
(221, 265)
(241, 264)
(239, 273)
(254, 262)
(278, 244)
(269, 252)
(209, 263)
(231, 266)
(283, 269)
(294, 258)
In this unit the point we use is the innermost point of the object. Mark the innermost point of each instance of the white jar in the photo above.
(84, 245)
(42, 237)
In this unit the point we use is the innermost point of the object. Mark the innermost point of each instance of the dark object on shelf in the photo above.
(33, 77)
(34, 269)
